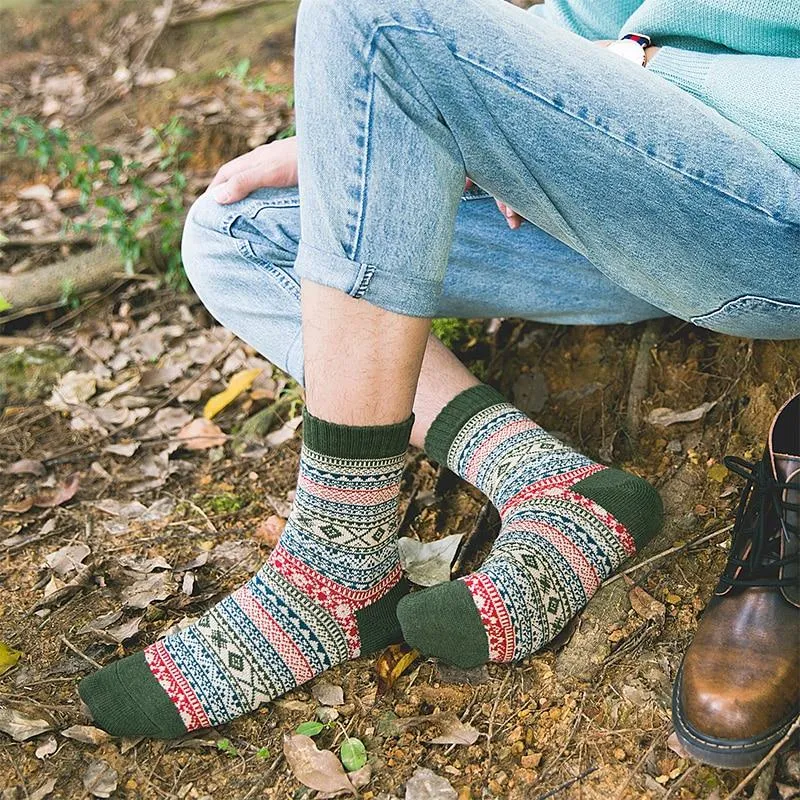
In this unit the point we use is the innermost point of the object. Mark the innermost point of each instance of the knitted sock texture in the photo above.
(328, 593)
(567, 524)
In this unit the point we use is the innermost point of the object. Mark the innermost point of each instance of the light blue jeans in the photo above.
(642, 201)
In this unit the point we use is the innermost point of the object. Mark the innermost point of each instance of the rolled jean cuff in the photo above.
(389, 289)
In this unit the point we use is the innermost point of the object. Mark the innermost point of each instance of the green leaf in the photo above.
(310, 728)
(8, 657)
(263, 753)
(4, 304)
(353, 754)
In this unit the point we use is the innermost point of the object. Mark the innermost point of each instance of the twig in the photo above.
(46, 239)
(79, 653)
(205, 16)
(640, 376)
(657, 740)
(761, 764)
(668, 552)
(561, 786)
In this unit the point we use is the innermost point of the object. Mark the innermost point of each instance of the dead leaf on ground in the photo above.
(60, 494)
(46, 748)
(201, 434)
(144, 565)
(67, 559)
(87, 734)
(73, 388)
(153, 587)
(454, 731)
(45, 790)
(284, 433)
(328, 693)
(270, 529)
(392, 663)
(21, 727)
(100, 779)
(27, 466)
(170, 419)
(428, 563)
(646, 606)
(668, 416)
(240, 382)
(315, 768)
(125, 450)
(425, 784)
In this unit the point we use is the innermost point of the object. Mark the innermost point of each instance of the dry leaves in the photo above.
(428, 563)
(315, 768)
(667, 416)
(49, 497)
(201, 434)
(392, 663)
(427, 785)
(100, 779)
(21, 727)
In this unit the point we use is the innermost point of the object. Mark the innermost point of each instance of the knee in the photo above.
(203, 245)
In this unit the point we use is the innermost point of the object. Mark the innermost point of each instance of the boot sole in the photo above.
(724, 753)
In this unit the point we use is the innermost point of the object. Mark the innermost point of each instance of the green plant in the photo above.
(127, 205)
(69, 297)
(263, 753)
(225, 746)
(310, 728)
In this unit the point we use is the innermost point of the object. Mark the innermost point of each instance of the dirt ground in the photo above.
(125, 516)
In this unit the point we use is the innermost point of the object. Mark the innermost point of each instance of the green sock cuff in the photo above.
(452, 418)
(355, 441)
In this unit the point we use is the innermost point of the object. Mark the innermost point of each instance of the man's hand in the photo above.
(269, 165)
(513, 219)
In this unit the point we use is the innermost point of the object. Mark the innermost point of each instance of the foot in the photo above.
(567, 524)
(737, 691)
(328, 593)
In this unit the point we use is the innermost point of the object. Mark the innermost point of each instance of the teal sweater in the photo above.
(741, 57)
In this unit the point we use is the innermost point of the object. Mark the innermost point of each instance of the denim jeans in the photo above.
(642, 201)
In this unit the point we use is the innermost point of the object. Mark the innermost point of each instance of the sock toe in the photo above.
(442, 621)
(125, 699)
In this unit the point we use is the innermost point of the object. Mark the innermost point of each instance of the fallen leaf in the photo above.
(284, 433)
(315, 768)
(328, 694)
(87, 734)
(20, 507)
(46, 748)
(240, 382)
(21, 727)
(144, 565)
(73, 388)
(170, 419)
(44, 790)
(427, 785)
(101, 622)
(8, 657)
(67, 559)
(360, 777)
(100, 779)
(454, 731)
(27, 466)
(428, 563)
(57, 496)
(201, 434)
(392, 663)
(270, 529)
(667, 416)
(126, 450)
(718, 473)
(156, 586)
(674, 744)
(155, 76)
(645, 605)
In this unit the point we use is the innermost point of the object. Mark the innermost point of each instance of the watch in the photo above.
(631, 46)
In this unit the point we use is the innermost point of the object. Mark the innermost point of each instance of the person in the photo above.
(658, 174)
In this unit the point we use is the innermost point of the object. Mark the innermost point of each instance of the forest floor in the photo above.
(126, 512)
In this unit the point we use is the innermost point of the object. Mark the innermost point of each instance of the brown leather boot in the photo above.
(738, 689)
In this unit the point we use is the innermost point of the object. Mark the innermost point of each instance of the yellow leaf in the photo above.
(8, 657)
(239, 383)
(718, 473)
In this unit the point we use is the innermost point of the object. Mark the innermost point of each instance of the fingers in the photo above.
(239, 185)
(238, 164)
(513, 219)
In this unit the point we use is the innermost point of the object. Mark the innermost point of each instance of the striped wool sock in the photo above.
(567, 524)
(328, 593)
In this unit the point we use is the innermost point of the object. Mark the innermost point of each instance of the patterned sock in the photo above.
(567, 524)
(328, 593)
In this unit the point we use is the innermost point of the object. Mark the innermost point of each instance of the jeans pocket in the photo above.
(755, 318)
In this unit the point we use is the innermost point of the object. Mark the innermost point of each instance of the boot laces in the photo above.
(755, 550)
